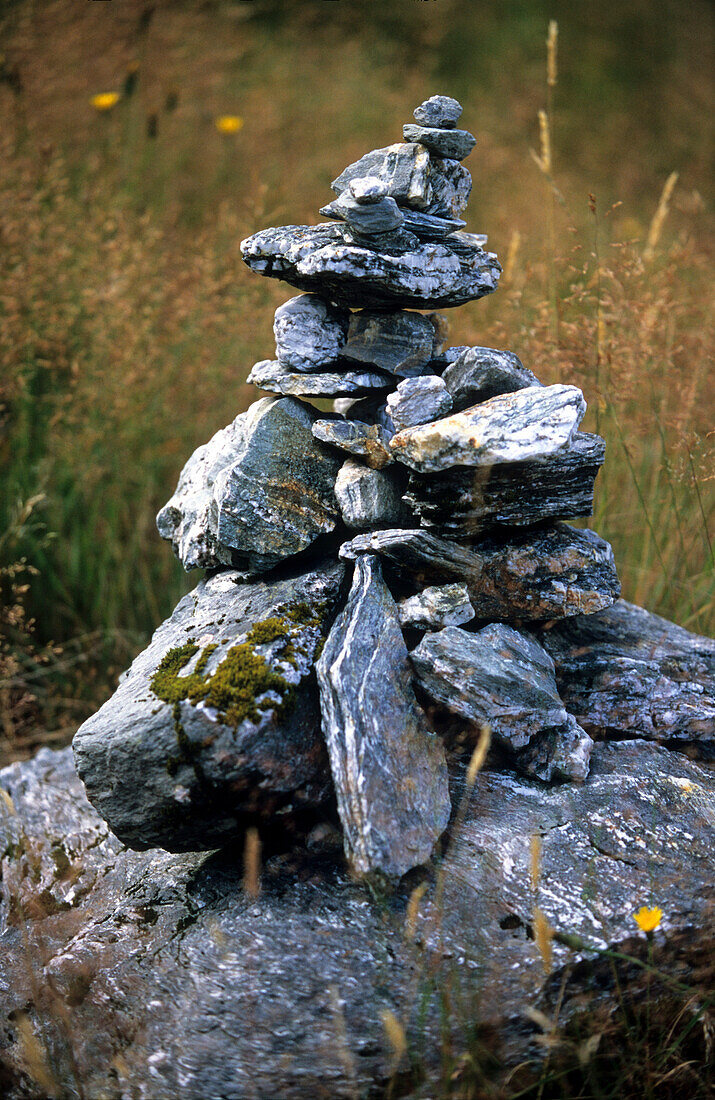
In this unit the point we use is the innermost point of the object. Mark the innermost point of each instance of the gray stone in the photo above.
(388, 768)
(439, 110)
(427, 183)
(541, 574)
(270, 375)
(368, 190)
(454, 144)
(625, 671)
(244, 747)
(462, 502)
(532, 423)
(557, 755)
(418, 401)
(371, 219)
(145, 974)
(326, 258)
(369, 498)
(451, 188)
(427, 227)
(368, 441)
(399, 342)
(309, 332)
(480, 373)
(436, 607)
(259, 491)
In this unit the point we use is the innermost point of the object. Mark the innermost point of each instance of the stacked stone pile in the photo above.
(380, 570)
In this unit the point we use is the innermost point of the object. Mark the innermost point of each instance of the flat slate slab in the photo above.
(342, 381)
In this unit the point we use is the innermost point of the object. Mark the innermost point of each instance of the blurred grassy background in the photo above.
(128, 322)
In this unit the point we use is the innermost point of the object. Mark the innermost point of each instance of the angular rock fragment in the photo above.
(451, 188)
(439, 110)
(627, 672)
(404, 168)
(532, 423)
(427, 227)
(271, 376)
(480, 373)
(369, 498)
(547, 573)
(389, 770)
(309, 332)
(455, 144)
(367, 208)
(400, 342)
(368, 441)
(558, 755)
(463, 501)
(418, 401)
(436, 607)
(259, 491)
(216, 725)
(325, 258)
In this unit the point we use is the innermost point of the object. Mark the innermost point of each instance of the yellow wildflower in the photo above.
(648, 919)
(105, 101)
(228, 124)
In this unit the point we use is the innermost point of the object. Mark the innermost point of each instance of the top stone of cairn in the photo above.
(439, 110)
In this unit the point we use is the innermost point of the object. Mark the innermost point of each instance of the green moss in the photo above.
(268, 631)
(165, 682)
(242, 676)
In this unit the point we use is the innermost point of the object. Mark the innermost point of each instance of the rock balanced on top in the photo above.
(372, 570)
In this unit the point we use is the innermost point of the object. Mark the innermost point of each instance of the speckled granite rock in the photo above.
(389, 769)
(436, 607)
(418, 401)
(271, 376)
(309, 332)
(259, 491)
(216, 724)
(369, 498)
(480, 373)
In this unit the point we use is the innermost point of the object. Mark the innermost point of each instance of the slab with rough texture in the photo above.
(368, 441)
(436, 607)
(325, 258)
(309, 332)
(216, 724)
(146, 974)
(388, 768)
(399, 342)
(480, 373)
(546, 573)
(418, 401)
(463, 501)
(532, 423)
(369, 498)
(259, 491)
(270, 375)
(454, 144)
(625, 671)
(427, 227)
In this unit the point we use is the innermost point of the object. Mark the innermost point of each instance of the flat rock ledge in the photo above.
(146, 974)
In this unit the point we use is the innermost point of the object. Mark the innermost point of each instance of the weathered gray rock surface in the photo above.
(399, 342)
(368, 441)
(439, 110)
(625, 671)
(546, 573)
(309, 332)
(463, 501)
(145, 974)
(256, 493)
(415, 179)
(562, 754)
(532, 423)
(455, 144)
(216, 724)
(388, 768)
(418, 401)
(367, 208)
(436, 607)
(427, 227)
(325, 258)
(480, 373)
(369, 498)
(271, 376)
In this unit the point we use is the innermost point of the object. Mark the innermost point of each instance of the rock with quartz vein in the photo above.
(309, 332)
(368, 497)
(414, 178)
(271, 376)
(389, 770)
(532, 423)
(399, 342)
(480, 373)
(418, 401)
(436, 607)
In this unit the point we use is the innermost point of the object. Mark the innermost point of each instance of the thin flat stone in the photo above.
(186, 775)
(427, 227)
(399, 342)
(454, 144)
(463, 501)
(309, 332)
(259, 491)
(327, 259)
(532, 423)
(436, 607)
(418, 401)
(541, 574)
(368, 441)
(439, 110)
(434, 185)
(389, 770)
(369, 498)
(480, 373)
(626, 672)
(270, 375)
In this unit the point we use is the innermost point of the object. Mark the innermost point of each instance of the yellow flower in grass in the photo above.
(648, 919)
(105, 101)
(228, 124)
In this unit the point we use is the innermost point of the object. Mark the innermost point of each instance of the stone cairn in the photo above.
(374, 571)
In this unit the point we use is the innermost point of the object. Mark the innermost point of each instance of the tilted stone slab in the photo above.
(532, 423)
(480, 373)
(309, 332)
(216, 724)
(259, 491)
(326, 258)
(626, 671)
(271, 376)
(547, 573)
(388, 768)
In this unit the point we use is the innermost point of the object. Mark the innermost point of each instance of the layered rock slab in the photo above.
(233, 975)
(388, 768)
(271, 376)
(216, 724)
(259, 491)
